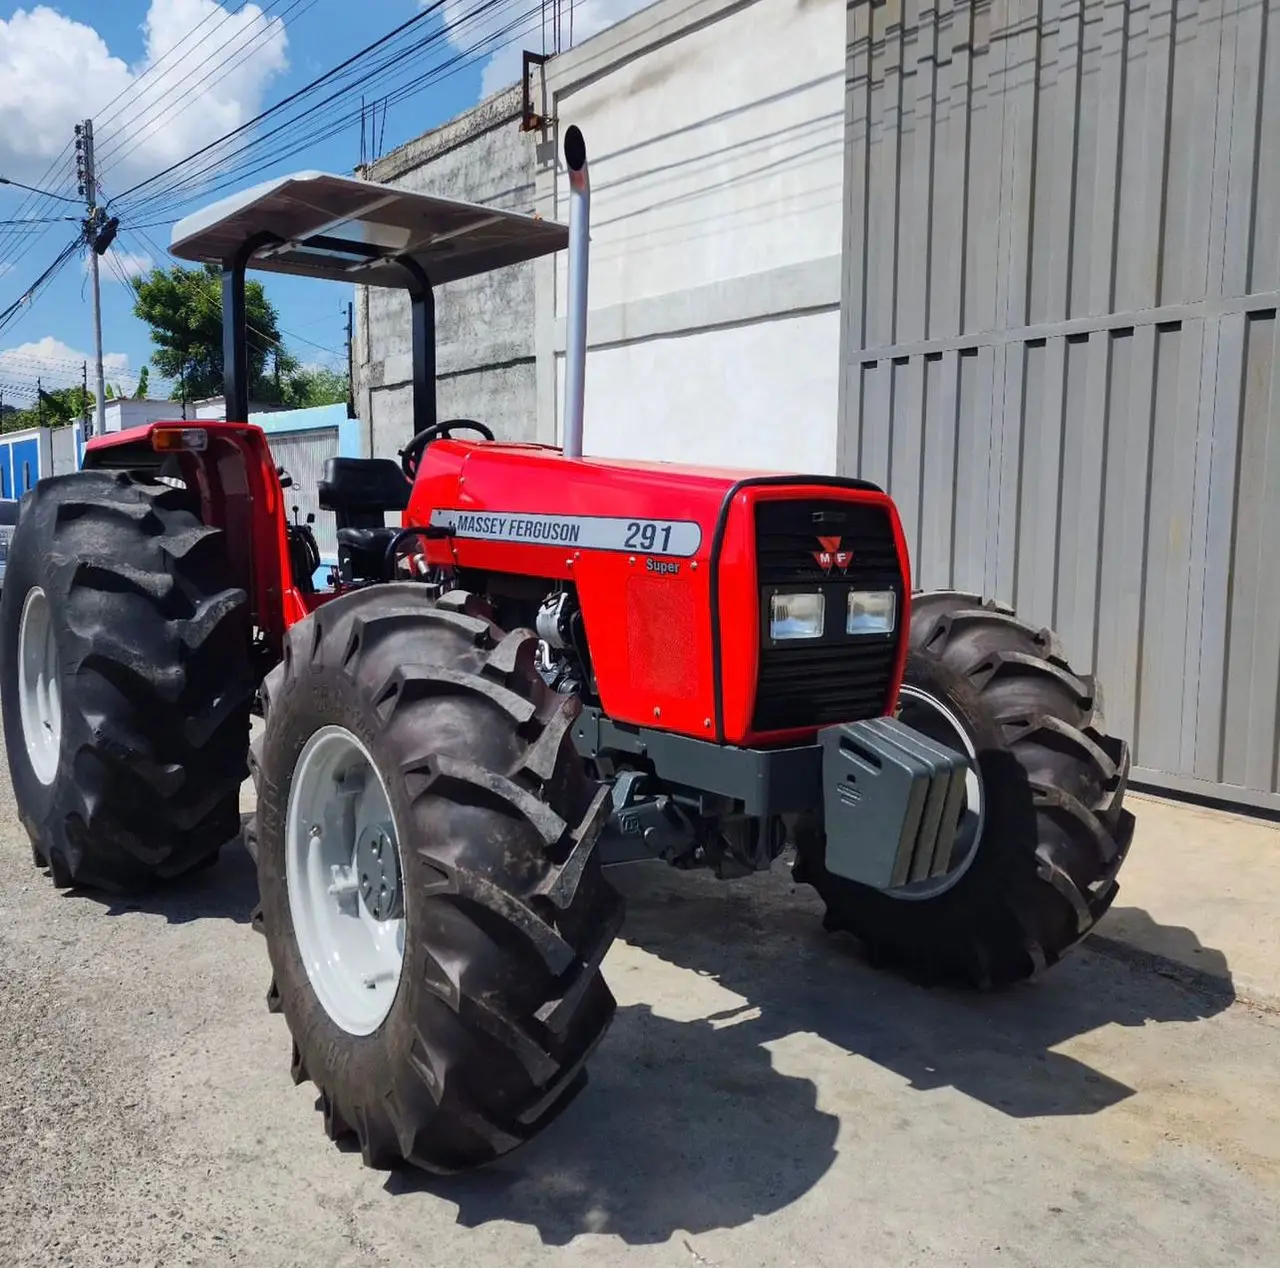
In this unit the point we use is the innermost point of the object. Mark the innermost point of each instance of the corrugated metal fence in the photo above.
(1062, 264)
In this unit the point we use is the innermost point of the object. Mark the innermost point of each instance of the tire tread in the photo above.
(530, 924)
(157, 680)
(1055, 878)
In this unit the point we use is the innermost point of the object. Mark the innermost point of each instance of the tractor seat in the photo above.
(363, 486)
(362, 552)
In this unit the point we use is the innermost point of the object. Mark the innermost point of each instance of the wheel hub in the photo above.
(378, 868)
(344, 875)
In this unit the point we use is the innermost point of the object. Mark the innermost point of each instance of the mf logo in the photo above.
(829, 555)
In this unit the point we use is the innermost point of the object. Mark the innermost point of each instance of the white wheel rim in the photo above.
(344, 872)
(39, 688)
(946, 728)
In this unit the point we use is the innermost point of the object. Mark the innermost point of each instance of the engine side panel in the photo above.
(664, 560)
(633, 538)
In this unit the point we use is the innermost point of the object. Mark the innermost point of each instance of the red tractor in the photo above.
(552, 663)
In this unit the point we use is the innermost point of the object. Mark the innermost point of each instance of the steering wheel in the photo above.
(411, 454)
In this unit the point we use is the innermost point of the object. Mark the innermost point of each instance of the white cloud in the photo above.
(209, 72)
(119, 266)
(57, 364)
(502, 68)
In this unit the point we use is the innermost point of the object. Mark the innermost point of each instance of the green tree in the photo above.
(183, 307)
(56, 409)
(144, 381)
(312, 386)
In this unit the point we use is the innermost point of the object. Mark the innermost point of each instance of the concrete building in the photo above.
(485, 353)
(1016, 262)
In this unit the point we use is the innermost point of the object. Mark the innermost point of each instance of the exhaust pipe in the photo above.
(575, 360)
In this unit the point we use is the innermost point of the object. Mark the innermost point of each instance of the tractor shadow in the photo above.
(683, 1126)
(762, 940)
(226, 891)
(692, 1126)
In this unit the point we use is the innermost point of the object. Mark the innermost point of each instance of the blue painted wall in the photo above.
(26, 465)
(19, 464)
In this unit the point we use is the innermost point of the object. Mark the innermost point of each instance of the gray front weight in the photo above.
(892, 800)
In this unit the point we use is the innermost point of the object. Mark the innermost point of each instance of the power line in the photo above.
(33, 205)
(44, 193)
(105, 114)
(23, 363)
(255, 33)
(139, 86)
(40, 196)
(8, 315)
(32, 221)
(62, 161)
(24, 390)
(421, 16)
(321, 127)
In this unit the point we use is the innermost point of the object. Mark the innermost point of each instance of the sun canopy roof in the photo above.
(347, 230)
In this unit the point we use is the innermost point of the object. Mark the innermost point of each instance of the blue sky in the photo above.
(68, 59)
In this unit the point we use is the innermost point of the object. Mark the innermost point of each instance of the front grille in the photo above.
(839, 678)
(787, 535)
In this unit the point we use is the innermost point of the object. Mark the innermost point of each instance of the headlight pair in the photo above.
(803, 616)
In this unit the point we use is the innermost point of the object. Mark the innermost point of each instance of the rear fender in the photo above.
(240, 494)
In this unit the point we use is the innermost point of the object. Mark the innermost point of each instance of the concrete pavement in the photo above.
(764, 1099)
(1200, 892)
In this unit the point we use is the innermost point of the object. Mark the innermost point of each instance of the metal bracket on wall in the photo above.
(531, 120)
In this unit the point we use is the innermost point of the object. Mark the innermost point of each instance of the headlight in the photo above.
(871, 612)
(795, 616)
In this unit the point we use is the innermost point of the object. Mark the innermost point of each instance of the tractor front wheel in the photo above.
(432, 898)
(1043, 830)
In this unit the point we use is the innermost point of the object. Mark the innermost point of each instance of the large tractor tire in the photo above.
(431, 893)
(127, 681)
(1043, 831)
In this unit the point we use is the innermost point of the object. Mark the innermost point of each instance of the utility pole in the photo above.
(92, 232)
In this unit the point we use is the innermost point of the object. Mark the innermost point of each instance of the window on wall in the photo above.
(4, 482)
(26, 476)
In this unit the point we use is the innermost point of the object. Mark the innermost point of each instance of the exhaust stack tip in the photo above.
(575, 149)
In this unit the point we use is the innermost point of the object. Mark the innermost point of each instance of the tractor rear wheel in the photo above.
(127, 681)
(431, 893)
(1043, 832)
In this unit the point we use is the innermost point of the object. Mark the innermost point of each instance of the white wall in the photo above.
(122, 414)
(755, 396)
(715, 135)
